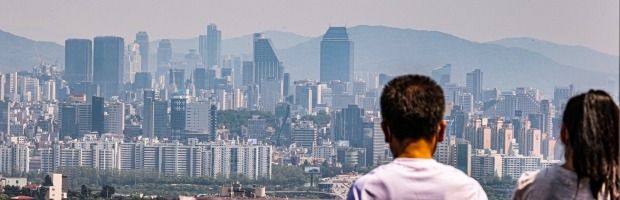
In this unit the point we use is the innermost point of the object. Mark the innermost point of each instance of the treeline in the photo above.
(234, 119)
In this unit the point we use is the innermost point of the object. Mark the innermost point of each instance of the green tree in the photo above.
(107, 191)
(85, 191)
(321, 119)
(4, 197)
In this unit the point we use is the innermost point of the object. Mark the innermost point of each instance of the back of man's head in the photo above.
(412, 106)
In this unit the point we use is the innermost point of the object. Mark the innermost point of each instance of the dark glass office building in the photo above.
(164, 55)
(214, 46)
(98, 114)
(78, 60)
(143, 41)
(109, 54)
(336, 55)
(266, 63)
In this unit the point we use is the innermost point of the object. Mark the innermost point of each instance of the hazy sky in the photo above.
(594, 24)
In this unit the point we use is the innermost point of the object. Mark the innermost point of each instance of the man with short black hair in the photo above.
(412, 107)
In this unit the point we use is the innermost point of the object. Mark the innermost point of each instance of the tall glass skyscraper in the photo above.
(109, 53)
(473, 84)
(98, 114)
(164, 55)
(266, 63)
(214, 46)
(336, 55)
(143, 41)
(441, 75)
(78, 60)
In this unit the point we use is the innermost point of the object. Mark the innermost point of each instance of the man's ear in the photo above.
(441, 131)
(386, 131)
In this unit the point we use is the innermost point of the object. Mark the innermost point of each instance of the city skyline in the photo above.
(594, 17)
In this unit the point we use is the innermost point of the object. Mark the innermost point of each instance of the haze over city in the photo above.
(283, 99)
(592, 24)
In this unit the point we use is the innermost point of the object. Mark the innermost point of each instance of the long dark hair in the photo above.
(591, 120)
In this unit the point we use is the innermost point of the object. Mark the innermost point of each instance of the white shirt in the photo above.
(414, 178)
(553, 182)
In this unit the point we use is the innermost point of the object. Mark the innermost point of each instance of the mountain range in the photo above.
(506, 63)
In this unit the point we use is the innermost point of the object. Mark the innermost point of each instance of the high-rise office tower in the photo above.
(202, 49)
(133, 62)
(78, 60)
(214, 46)
(561, 96)
(178, 111)
(266, 63)
(466, 100)
(98, 114)
(200, 78)
(76, 119)
(162, 118)
(177, 77)
(114, 117)
(109, 53)
(336, 55)
(441, 75)
(474, 84)
(164, 56)
(253, 94)
(235, 62)
(5, 117)
(271, 95)
(144, 80)
(213, 123)
(348, 125)
(247, 72)
(461, 155)
(148, 116)
(197, 116)
(192, 60)
(286, 84)
(10, 86)
(2, 84)
(143, 41)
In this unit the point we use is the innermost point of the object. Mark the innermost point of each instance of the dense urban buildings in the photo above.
(199, 113)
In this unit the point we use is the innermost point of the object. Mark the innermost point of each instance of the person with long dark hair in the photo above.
(590, 134)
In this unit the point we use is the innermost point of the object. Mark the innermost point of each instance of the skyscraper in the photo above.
(214, 45)
(98, 114)
(336, 55)
(78, 60)
(148, 122)
(108, 64)
(266, 63)
(5, 117)
(178, 110)
(202, 49)
(441, 75)
(164, 55)
(474, 84)
(348, 125)
(133, 62)
(143, 41)
(247, 73)
(162, 118)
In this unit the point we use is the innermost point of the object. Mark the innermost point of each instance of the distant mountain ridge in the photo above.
(237, 45)
(19, 53)
(577, 56)
(380, 49)
(506, 64)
